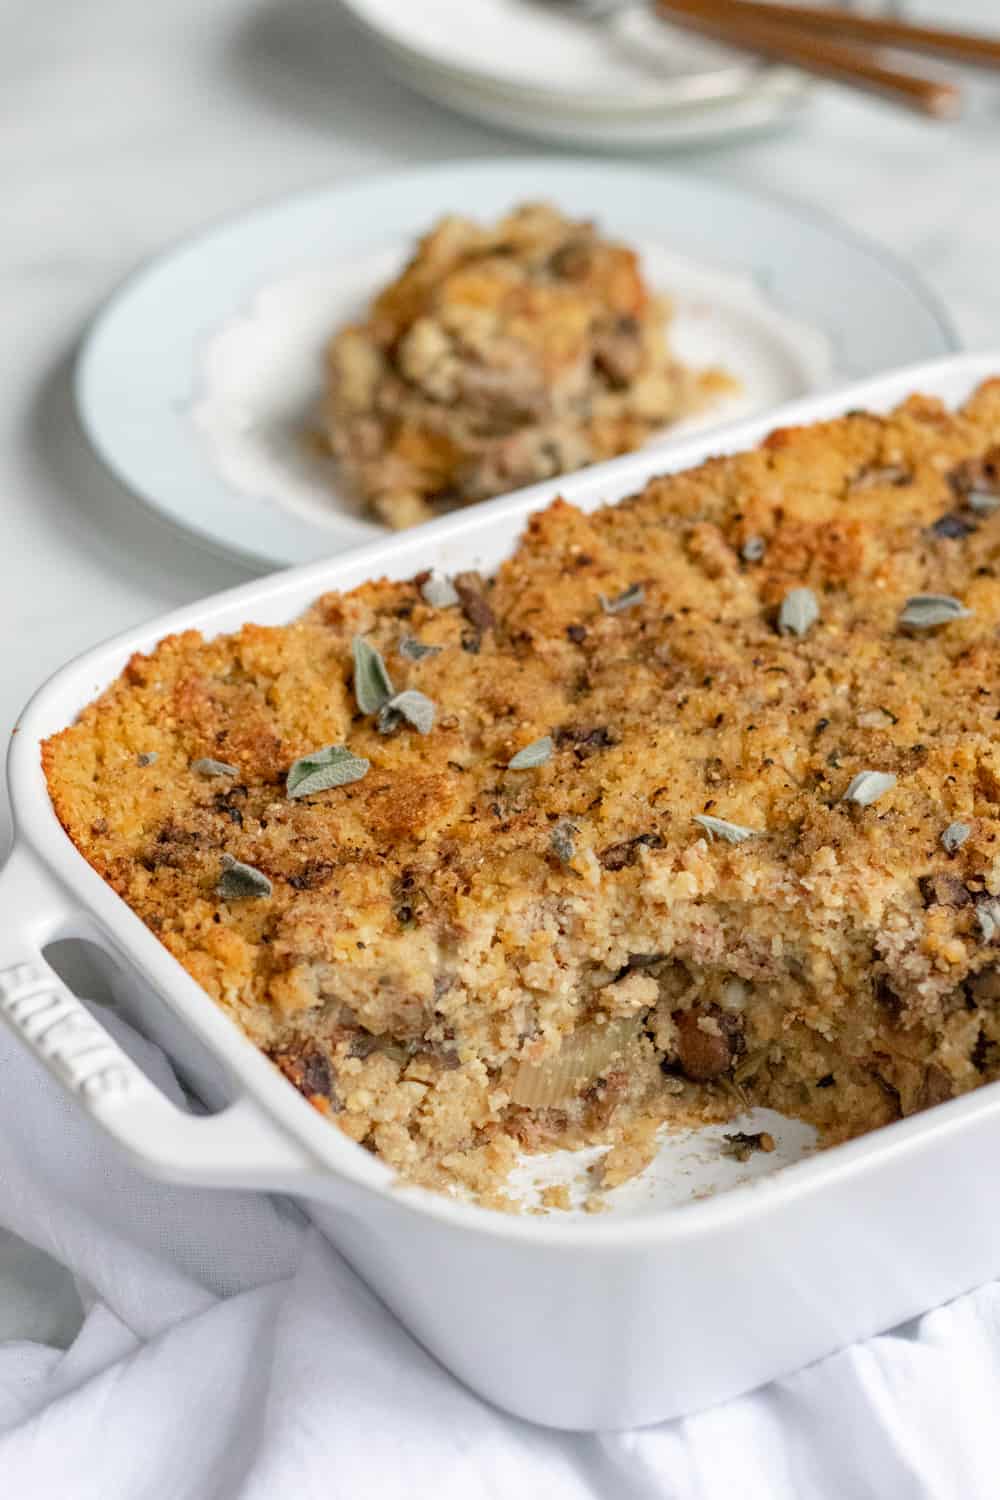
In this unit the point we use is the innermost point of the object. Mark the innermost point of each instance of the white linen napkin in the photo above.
(227, 1350)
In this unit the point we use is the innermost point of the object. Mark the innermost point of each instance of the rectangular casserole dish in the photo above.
(652, 1310)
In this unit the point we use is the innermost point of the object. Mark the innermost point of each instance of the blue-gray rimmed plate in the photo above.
(197, 383)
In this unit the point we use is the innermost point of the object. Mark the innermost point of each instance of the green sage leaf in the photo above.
(535, 754)
(240, 882)
(415, 707)
(209, 767)
(372, 684)
(924, 611)
(332, 766)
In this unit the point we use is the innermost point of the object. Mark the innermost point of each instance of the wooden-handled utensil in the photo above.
(772, 31)
(972, 48)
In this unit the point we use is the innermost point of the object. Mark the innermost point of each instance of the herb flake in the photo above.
(535, 754)
(627, 599)
(953, 526)
(719, 828)
(147, 758)
(475, 606)
(332, 766)
(439, 592)
(988, 917)
(955, 836)
(618, 856)
(753, 549)
(562, 840)
(415, 650)
(868, 786)
(924, 611)
(240, 882)
(412, 706)
(798, 613)
(741, 1144)
(372, 684)
(206, 766)
(748, 1068)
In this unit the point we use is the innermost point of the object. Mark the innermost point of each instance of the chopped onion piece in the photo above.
(584, 1056)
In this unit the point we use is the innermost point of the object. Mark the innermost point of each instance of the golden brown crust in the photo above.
(424, 934)
(501, 356)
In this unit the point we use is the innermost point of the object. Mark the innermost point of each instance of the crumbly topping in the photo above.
(502, 355)
(426, 920)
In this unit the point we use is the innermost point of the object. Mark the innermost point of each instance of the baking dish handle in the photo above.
(239, 1147)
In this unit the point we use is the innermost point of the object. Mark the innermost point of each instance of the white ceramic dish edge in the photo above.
(603, 1322)
(772, 104)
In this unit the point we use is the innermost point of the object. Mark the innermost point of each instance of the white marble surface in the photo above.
(126, 126)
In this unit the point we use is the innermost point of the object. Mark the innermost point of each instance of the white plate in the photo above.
(772, 100)
(195, 382)
(538, 47)
(530, 67)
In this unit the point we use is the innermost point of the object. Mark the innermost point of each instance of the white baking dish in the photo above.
(612, 1320)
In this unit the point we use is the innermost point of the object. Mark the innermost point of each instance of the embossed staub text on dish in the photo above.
(62, 1032)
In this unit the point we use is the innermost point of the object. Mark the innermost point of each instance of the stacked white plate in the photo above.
(542, 68)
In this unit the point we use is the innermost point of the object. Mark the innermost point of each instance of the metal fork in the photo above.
(603, 10)
(769, 30)
(592, 10)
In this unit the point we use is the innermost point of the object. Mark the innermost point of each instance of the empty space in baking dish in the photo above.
(689, 1165)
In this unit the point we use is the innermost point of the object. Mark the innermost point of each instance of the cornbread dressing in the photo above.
(751, 857)
(502, 355)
